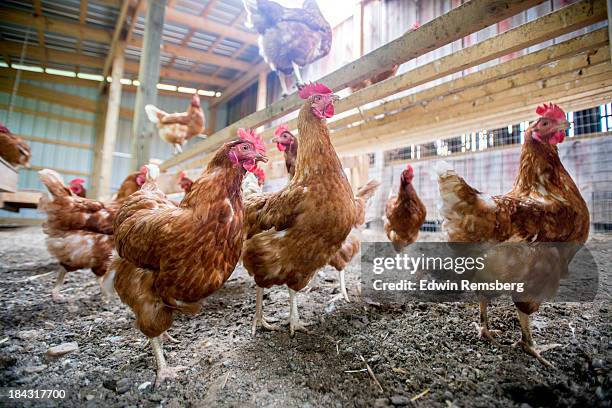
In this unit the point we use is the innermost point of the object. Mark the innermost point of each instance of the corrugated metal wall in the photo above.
(59, 124)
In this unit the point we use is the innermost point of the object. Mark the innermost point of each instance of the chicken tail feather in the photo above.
(363, 196)
(154, 113)
(54, 183)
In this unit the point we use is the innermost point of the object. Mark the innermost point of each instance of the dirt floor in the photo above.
(422, 354)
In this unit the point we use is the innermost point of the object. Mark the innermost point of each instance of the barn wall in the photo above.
(77, 126)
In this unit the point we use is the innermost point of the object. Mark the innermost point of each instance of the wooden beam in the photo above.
(41, 31)
(103, 159)
(587, 42)
(473, 114)
(56, 97)
(492, 121)
(205, 24)
(71, 58)
(45, 114)
(59, 170)
(559, 73)
(58, 26)
(8, 177)
(148, 76)
(200, 56)
(20, 199)
(119, 36)
(466, 19)
(563, 21)
(242, 83)
(56, 142)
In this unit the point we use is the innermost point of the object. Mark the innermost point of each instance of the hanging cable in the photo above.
(18, 75)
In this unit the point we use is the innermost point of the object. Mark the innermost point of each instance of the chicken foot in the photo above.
(298, 75)
(526, 342)
(343, 287)
(259, 319)
(59, 281)
(164, 372)
(295, 324)
(283, 82)
(483, 328)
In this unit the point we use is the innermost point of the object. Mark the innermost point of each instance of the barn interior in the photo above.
(75, 76)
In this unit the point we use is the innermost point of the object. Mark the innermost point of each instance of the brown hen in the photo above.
(544, 205)
(169, 257)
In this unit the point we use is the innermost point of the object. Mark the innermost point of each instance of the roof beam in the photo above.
(457, 23)
(119, 36)
(41, 31)
(205, 24)
(65, 57)
(199, 56)
(54, 25)
(56, 97)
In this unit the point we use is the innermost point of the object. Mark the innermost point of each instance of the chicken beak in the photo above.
(274, 140)
(261, 158)
(335, 98)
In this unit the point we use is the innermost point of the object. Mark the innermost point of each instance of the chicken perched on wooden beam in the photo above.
(14, 149)
(178, 128)
(292, 233)
(404, 213)
(171, 257)
(289, 38)
(287, 143)
(544, 205)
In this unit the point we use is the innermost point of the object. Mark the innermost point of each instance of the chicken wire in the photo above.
(489, 161)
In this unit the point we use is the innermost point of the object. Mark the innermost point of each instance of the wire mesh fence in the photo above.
(489, 161)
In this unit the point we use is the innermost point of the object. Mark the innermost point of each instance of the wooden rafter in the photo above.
(93, 62)
(55, 25)
(40, 30)
(118, 41)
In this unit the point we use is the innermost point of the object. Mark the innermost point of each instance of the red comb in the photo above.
(260, 174)
(4, 129)
(281, 129)
(313, 88)
(249, 135)
(551, 111)
(409, 168)
(181, 175)
(77, 181)
(195, 100)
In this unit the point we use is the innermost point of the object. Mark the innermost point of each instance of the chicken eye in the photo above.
(318, 98)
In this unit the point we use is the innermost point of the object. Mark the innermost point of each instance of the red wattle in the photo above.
(281, 147)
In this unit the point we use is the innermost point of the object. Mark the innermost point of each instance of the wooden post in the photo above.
(212, 120)
(104, 155)
(148, 75)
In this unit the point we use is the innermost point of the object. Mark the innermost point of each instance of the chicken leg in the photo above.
(526, 342)
(283, 82)
(343, 287)
(163, 370)
(294, 317)
(259, 319)
(298, 75)
(483, 329)
(59, 281)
